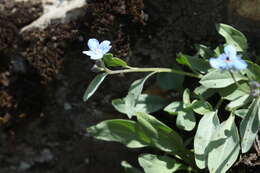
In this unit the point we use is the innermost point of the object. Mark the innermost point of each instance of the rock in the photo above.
(247, 8)
(57, 11)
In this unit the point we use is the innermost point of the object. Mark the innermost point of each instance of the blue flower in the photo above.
(229, 60)
(97, 51)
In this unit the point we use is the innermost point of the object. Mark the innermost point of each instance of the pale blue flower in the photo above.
(229, 60)
(97, 51)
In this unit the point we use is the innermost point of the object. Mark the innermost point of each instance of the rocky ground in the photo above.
(43, 73)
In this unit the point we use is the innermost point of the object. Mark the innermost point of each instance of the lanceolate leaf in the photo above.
(149, 103)
(241, 113)
(93, 86)
(117, 130)
(145, 103)
(147, 131)
(195, 63)
(224, 147)
(233, 36)
(111, 61)
(232, 92)
(137, 86)
(186, 98)
(206, 129)
(250, 125)
(239, 102)
(162, 136)
(160, 164)
(218, 79)
(134, 92)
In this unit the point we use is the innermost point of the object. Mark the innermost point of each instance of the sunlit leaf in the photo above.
(241, 101)
(186, 120)
(111, 61)
(224, 147)
(201, 107)
(233, 36)
(219, 79)
(174, 107)
(250, 125)
(160, 164)
(206, 129)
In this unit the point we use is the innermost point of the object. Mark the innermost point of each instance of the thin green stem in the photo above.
(233, 77)
(237, 84)
(158, 70)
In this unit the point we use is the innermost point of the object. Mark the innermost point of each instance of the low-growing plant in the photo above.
(226, 75)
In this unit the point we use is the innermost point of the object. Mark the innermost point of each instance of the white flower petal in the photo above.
(240, 64)
(230, 51)
(96, 56)
(214, 62)
(89, 53)
(105, 46)
(93, 44)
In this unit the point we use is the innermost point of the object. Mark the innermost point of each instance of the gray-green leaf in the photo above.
(186, 120)
(241, 101)
(224, 147)
(93, 86)
(174, 107)
(137, 86)
(128, 104)
(162, 136)
(241, 113)
(118, 130)
(233, 92)
(160, 164)
(201, 107)
(145, 103)
(206, 129)
(233, 36)
(186, 98)
(219, 79)
(250, 125)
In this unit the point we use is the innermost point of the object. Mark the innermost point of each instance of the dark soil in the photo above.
(43, 76)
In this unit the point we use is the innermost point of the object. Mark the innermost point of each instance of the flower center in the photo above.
(98, 51)
(227, 59)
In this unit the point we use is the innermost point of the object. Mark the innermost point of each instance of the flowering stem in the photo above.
(158, 70)
(237, 84)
